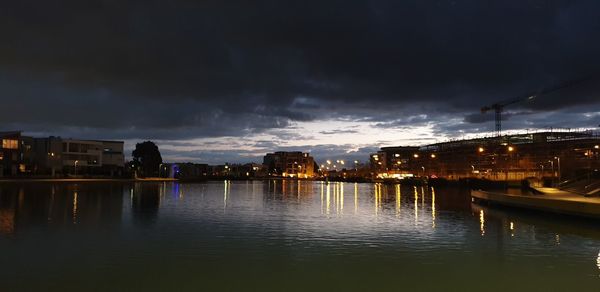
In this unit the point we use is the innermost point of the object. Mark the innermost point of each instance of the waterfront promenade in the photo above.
(26, 180)
(548, 200)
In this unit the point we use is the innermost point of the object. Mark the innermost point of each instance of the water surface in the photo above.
(283, 236)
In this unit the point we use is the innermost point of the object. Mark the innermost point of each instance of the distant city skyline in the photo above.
(220, 82)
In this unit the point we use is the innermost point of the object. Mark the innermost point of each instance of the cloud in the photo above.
(182, 70)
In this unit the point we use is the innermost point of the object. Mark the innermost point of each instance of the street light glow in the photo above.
(511, 149)
(481, 149)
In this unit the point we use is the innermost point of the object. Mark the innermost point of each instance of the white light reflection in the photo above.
(377, 198)
(225, 194)
(398, 197)
(322, 193)
(432, 208)
(75, 208)
(482, 222)
(327, 200)
(416, 204)
(512, 229)
(342, 198)
(598, 261)
(355, 198)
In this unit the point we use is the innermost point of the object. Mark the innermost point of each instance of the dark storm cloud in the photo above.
(186, 69)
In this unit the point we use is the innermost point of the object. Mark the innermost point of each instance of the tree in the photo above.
(147, 156)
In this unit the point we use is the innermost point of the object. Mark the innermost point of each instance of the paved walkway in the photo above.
(551, 200)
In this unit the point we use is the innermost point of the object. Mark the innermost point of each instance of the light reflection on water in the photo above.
(205, 233)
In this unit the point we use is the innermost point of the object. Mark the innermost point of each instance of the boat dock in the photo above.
(548, 200)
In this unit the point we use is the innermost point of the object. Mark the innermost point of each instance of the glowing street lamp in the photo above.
(416, 155)
(480, 149)
(75, 164)
(433, 155)
(511, 149)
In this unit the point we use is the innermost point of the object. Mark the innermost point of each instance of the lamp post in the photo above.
(510, 149)
(75, 165)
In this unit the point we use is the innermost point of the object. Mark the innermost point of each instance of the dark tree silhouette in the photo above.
(147, 156)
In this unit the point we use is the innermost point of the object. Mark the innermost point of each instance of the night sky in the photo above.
(227, 81)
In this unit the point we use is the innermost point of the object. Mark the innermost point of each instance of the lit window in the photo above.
(10, 144)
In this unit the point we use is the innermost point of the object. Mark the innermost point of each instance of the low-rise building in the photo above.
(22, 155)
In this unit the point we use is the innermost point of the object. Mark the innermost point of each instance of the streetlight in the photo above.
(416, 155)
(75, 164)
(433, 155)
(480, 149)
(423, 167)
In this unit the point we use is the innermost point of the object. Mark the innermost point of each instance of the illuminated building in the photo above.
(394, 161)
(554, 154)
(290, 164)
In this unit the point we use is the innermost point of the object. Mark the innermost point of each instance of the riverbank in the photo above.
(27, 180)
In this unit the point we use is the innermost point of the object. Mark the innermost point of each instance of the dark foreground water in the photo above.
(283, 236)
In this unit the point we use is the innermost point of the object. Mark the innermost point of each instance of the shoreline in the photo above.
(28, 180)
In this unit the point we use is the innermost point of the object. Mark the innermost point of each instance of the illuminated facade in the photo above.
(397, 162)
(512, 157)
(290, 164)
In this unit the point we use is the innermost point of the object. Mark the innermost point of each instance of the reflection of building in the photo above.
(290, 164)
(514, 157)
(46, 156)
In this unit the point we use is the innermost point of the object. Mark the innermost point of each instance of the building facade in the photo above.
(290, 164)
(556, 155)
(11, 154)
(22, 155)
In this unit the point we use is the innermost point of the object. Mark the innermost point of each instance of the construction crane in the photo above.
(499, 106)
